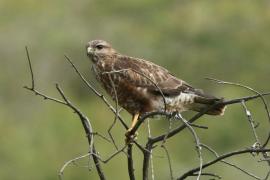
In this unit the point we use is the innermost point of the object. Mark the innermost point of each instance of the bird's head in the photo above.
(97, 49)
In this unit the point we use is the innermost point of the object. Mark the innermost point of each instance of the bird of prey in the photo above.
(140, 86)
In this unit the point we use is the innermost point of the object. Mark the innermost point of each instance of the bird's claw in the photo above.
(130, 137)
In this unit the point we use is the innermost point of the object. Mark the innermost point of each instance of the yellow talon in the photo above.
(131, 137)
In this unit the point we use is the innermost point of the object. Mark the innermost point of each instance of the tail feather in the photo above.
(203, 102)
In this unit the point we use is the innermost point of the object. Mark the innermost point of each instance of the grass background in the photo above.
(228, 40)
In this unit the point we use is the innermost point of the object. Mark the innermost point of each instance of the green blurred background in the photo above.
(228, 40)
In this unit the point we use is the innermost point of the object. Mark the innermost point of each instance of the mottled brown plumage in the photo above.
(141, 86)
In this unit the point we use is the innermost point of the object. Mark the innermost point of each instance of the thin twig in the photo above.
(267, 140)
(169, 160)
(224, 156)
(88, 130)
(146, 116)
(150, 145)
(45, 97)
(85, 121)
(198, 144)
(91, 87)
(102, 97)
(151, 151)
(230, 164)
(97, 164)
(257, 143)
(267, 175)
(197, 116)
(159, 138)
(116, 111)
(208, 174)
(111, 156)
(101, 136)
(61, 172)
(30, 67)
(168, 131)
(145, 76)
(251, 122)
(248, 88)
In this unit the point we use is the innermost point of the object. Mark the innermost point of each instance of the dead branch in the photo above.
(84, 120)
(233, 153)
(228, 163)
(130, 163)
(169, 161)
(147, 150)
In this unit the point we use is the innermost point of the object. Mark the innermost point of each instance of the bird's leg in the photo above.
(134, 121)
(128, 133)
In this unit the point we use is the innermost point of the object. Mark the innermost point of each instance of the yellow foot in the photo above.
(130, 137)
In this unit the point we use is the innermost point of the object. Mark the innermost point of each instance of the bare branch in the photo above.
(196, 116)
(257, 143)
(116, 111)
(146, 158)
(169, 160)
(208, 174)
(162, 138)
(144, 76)
(45, 97)
(251, 122)
(151, 151)
(111, 156)
(130, 162)
(197, 141)
(85, 121)
(102, 97)
(61, 172)
(248, 88)
(230, 164)
(30, 68)
(224, 156)
(91, 87)
(102, 136)
(267, 141)
(169, 129)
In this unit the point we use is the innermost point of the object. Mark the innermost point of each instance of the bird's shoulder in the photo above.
(136, 63)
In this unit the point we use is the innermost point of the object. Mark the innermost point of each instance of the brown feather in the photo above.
(140, 85)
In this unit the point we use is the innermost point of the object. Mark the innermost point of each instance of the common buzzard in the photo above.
(141, 86)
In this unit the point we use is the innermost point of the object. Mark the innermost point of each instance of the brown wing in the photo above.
(141, 73)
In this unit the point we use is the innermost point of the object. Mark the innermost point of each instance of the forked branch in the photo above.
(260, 146)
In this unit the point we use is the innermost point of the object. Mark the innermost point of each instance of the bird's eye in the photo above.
(99, 47)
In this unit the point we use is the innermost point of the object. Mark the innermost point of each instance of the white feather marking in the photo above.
(89, 50)
(180, 102)
(102, 64)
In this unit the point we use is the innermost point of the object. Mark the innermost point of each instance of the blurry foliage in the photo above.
(194, 39)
